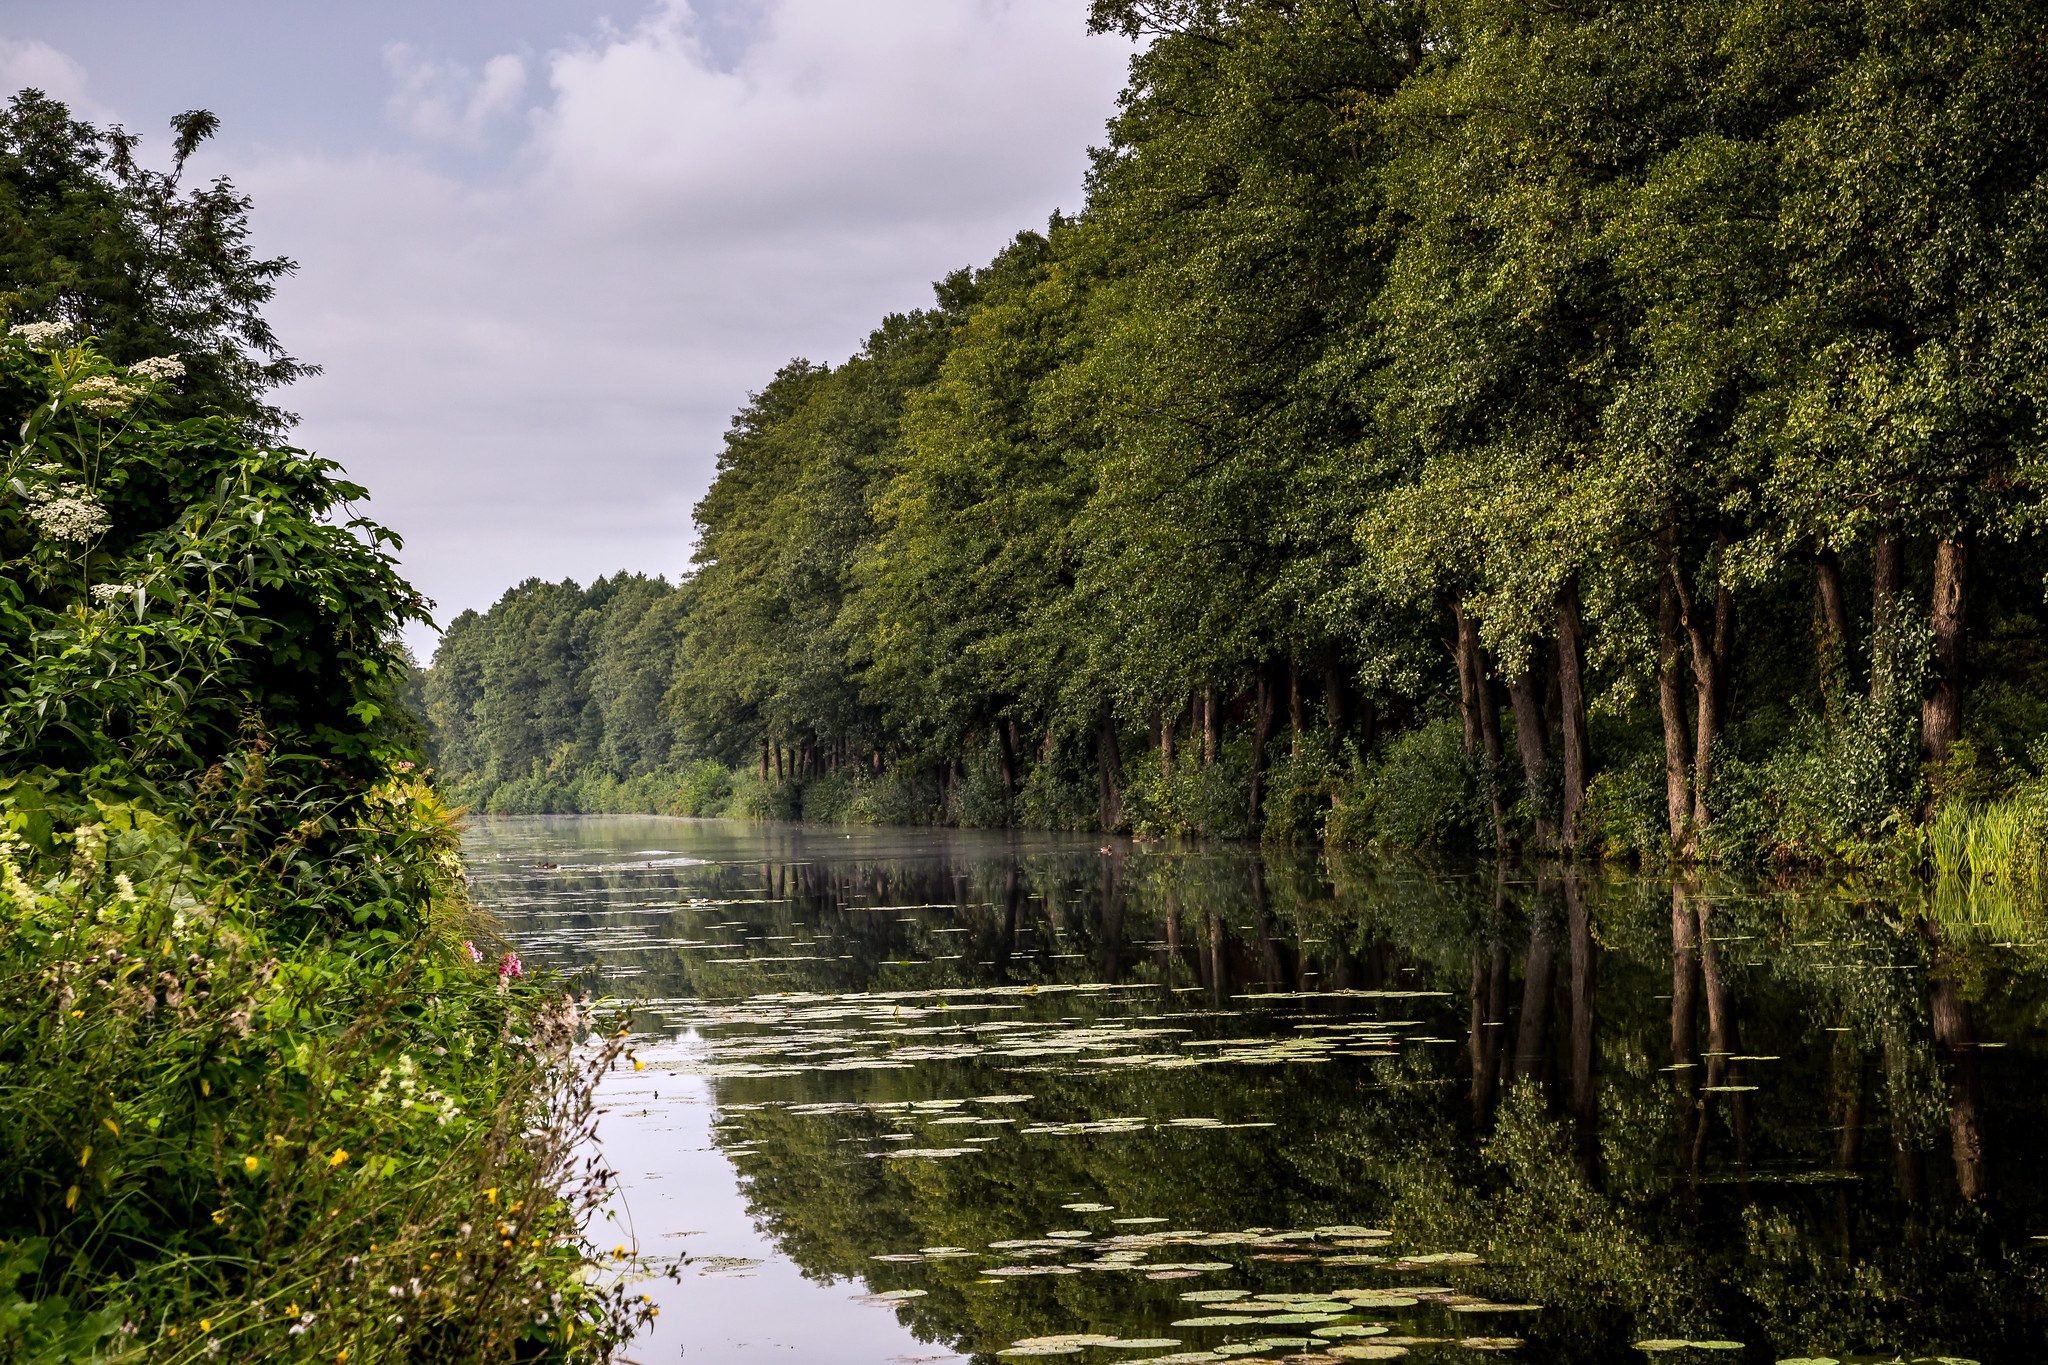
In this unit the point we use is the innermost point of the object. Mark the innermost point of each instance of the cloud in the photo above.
(538, 310)
(446, 101)
(28, 64)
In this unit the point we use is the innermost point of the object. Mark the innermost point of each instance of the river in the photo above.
(934, 1095)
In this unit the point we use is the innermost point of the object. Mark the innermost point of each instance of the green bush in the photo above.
(1420, 793)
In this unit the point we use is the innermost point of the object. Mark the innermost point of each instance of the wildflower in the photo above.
(475, 955)
(69, 513)
(206, 1324)
(106, 593)
(250, 1163)
(124, 890)
(511, 966)
(340, 1157)
(71, 1197)
(220, 1215)
(159, 368)
(212, 1344)
(104, 393)
(41, 334)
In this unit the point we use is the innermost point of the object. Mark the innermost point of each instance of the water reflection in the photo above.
(1640, 1106)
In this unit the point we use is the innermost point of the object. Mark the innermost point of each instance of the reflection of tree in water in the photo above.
(1661, 1119)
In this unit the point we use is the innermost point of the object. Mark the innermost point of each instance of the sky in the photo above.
(548, 247)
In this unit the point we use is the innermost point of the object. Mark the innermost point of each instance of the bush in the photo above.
(1420, 793)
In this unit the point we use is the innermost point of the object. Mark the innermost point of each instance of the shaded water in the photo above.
(936, 1095)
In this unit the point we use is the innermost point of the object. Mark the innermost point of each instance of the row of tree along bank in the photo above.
(1489, 424)
(268, 1091)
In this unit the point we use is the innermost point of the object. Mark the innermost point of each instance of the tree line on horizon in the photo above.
(1494, 424)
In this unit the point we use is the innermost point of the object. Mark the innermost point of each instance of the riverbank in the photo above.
(1420, 795)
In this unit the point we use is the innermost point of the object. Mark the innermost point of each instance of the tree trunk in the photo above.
(1887, 581)
(1685, 994)
(1333, 696)
(1941, 715)
(1294, 723)
(1833, 652)
(1571, 686)
(1212, 728)
(1262, 733)
(1108, 767)
(1006, 743)
(1167, 725)
(1486, 718)
(764, 762)
(1526, 697)
(1671, 697)
(778, 765)
(1712, 638)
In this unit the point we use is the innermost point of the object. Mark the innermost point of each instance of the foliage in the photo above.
(1656, 389)
(261, 1095)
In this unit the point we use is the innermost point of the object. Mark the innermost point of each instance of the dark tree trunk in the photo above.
(1334, 696)
(778, 765)
(1108, 768)
(1833, 604)
(1483, 717)
(1571, 689)
(1294, 721)
(1112, 916)
(1941, 715)
(1006, 743)
(1712, 639)
(1887, 581)
(1526, 697)
(1262, 733)
(1671, 697)
(764, 762)
(1212, 728)
(1685, 996)
(1167, 725)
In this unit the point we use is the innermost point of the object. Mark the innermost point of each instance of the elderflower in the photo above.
(111, 592)
(105, 393)
(41, 333)
(67, 514)
(159, 368)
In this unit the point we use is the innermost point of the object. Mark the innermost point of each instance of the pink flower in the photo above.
(405, 767)
(475, 954)
(510, 967)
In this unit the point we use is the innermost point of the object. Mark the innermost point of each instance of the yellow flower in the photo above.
(71, 1197)
(639, 1065)
(338, 1158)
(492, 1194)
(220, 1215)
(112, 1127)
(250, 1163)
(206, 1324)
(291, 1310)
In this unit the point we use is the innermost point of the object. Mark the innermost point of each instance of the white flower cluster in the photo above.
(158, 368)
(411, 1094)
(105, 393)
(111, 592)
(67, 514)
(41, 333)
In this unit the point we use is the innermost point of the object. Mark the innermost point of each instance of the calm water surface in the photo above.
(939, 1096)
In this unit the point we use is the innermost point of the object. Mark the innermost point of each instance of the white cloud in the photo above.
(28, 64)
(531, 360)
(446, 101)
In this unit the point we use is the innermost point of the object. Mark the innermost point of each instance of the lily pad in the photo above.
(1088, 1208)
(1231, 1321)
(1657, 1344)
(1216, 1295)
(1140, 1343)
(1490, 1343)
(1507, 1308)
(1351, 1330)
(1369, 1350)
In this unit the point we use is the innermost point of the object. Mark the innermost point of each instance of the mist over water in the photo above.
(932, 1095)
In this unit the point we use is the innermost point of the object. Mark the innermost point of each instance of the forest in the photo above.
(1610, 429)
